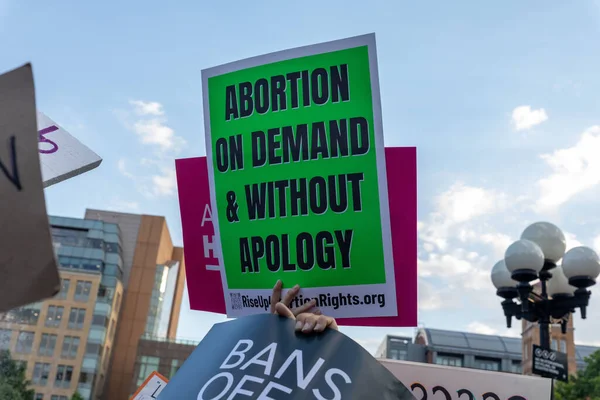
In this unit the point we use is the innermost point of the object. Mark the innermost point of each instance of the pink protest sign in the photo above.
(202, 264)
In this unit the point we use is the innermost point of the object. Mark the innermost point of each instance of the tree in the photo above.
(77, 396)
(13, 384)
(584, 386)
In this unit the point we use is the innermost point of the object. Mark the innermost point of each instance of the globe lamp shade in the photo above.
(581, 266)
(558, 285)
(524, 259)
(549, 238)
(505, 285)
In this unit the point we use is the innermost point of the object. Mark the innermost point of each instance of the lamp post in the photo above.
(564, 288)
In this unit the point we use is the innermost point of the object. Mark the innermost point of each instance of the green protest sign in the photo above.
(297, 168)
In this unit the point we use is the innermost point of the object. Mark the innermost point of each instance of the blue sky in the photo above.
(483, 89)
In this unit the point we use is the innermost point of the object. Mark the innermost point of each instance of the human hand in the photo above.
(307, 322)
(287, 300)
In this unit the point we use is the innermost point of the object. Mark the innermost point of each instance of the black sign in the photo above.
(261, 357)
(550, 364)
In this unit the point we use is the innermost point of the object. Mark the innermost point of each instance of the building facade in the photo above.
(154, 279)
(471, 350)
(65, 341)
(121, 278)
(159, 354)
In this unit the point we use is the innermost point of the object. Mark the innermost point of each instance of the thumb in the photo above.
(284, 311)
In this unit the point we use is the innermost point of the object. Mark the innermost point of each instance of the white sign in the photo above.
(62, 156)
(28, 271)
(151, 388)
(454, 383)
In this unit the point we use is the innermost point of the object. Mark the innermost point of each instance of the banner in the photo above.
(28, 270)
(454, 383)
(261, 357)
(297, 176)
(203, 275)
(62, 156)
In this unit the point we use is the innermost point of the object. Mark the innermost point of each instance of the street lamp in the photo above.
(564, 287)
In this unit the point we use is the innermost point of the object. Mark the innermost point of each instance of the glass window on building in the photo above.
(24, 342)
(398, 354)
(39, 396)
(54, 316)
(100, 320)
(112, 247)
(563, 346)
(76, 318)
(515, 367)
(5, 336)
(70, 347)
(57, 397)
(47, 345)
(554, 344)
(26, 315)
(105, 294)
(82, 290)
(174, 367)
(147, 366)
(451, 360)
(489, 364)
(41, 372)
(65, 284)
(93, 349)
(64, 374)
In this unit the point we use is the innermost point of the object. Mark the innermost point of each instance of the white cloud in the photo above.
(123, 169)
(574, 169)
(434, 298)
(523, 117)
(165, 183)
(461, 203)
(485, 329)
(123, 205)
(455, 207)
(596, 243)
(571, 240)
(154, 131)
(147, 107)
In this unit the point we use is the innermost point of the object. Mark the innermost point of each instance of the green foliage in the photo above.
(77, 396)
(584, 386)
(13, 384)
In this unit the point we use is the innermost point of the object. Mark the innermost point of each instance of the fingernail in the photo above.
(296, 287)
(299, 325)
(320, 327)
(278, 282)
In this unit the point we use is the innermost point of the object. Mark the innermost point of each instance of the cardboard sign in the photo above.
(455, 383)
(203, 266)
(154, 384)
(550, 364)
(28, 271)
(261, 357)
(297, 175)
(62, 156)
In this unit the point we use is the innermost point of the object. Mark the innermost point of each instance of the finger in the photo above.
(290, 295)
(309, 323)
(282, 310)
(276, 295)
(322, 323)
(304, 307)
(317, 311)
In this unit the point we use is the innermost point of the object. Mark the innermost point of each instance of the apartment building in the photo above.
(121, 278)
(154, 279)
(66, 341)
